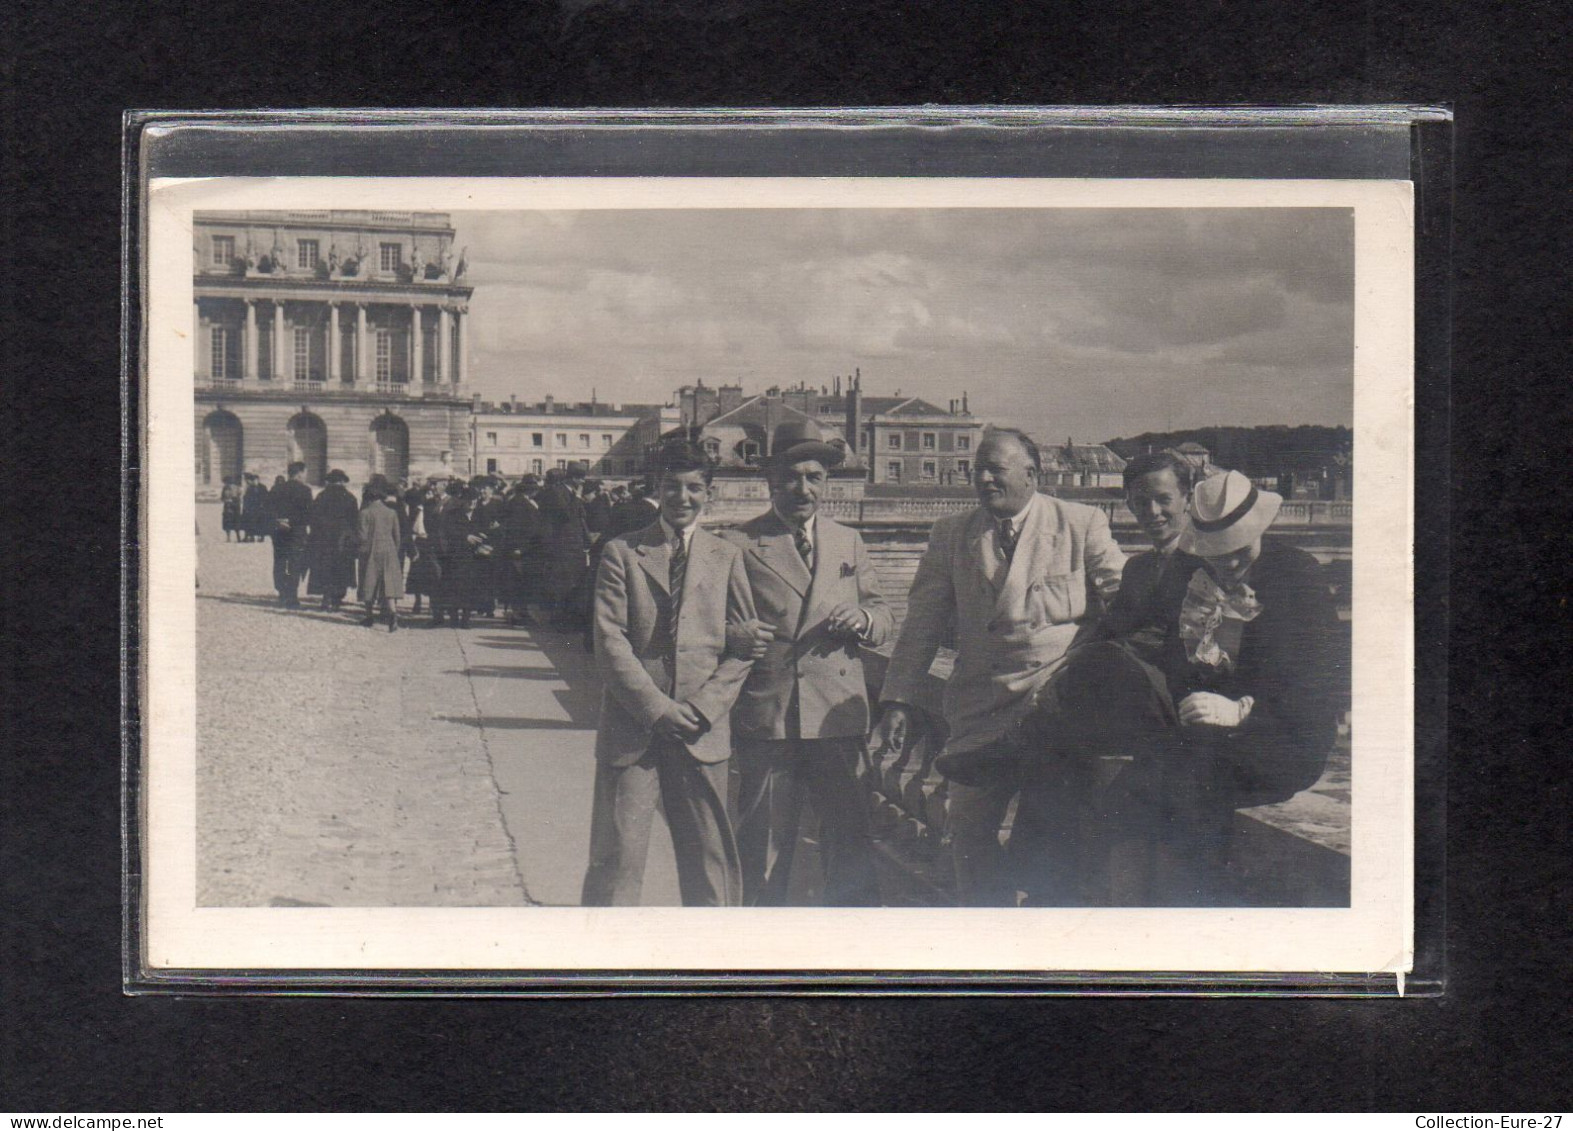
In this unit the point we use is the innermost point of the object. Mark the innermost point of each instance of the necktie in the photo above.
(805, 548)
(1007, 538)
(675, 578)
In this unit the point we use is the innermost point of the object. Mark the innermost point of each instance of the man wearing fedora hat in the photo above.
(1018, 581)
(802, 720)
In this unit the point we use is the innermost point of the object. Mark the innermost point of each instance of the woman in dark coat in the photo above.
(564, 541)
(379, 531)
(231, 497)
(423, 575)
(464, 551)
(254, 518)
(331, 545)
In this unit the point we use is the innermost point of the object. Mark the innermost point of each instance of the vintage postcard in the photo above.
(773, 574)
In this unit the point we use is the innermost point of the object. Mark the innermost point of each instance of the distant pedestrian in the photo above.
(381, 579)
(290, 505)
(231, 498)
(255, 521)
(564, 542)
(521, 549)
(331, 546)
(423, 574)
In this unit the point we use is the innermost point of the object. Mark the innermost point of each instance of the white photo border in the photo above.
(1373, 935)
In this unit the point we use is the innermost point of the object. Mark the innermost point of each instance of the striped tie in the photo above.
(675, 579)
(805, 548)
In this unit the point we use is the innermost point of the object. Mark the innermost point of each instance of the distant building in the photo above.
(1198, 457)
(1081, 465)
(514, 438)
(890, 439)
(336, 338)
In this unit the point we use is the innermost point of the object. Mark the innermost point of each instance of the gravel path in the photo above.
(338, 765)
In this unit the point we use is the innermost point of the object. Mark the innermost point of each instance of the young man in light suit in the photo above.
(803, 718)
(1021, 578)
(663, 598)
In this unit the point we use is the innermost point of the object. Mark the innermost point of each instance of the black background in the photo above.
(69, 1040)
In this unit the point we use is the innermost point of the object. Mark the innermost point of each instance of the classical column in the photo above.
(444, 347)
(462, 326)
(200, 369)
(363, 364)
(279, 370)
(249, 374)
(417, 372)
(334, 345)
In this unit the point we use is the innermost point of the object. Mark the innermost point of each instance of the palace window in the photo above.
(537, 439)
(223, 347)
(964, 468)
(390, 256)
(303, 353)
(491, 467)
(606, 439)
(223, 251)
(562, 465)
(491, 438)
(562, 439)
(893, 441)
(893, 470)
(535, 466)
(930, 469)
(928, 441)
(584, 439)
(963, 443)
(750, 453)
(384, 355)
(306, 254)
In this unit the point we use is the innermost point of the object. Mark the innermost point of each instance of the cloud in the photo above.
(1104, 321)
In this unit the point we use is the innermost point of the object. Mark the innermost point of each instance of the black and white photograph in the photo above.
(933, 574)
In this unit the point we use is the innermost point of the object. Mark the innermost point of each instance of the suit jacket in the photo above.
(1145, 611)
(646, 661)
(1012, 626)
(807, 674)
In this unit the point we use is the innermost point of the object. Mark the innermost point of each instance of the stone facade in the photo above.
(611, 440)
(339, 338)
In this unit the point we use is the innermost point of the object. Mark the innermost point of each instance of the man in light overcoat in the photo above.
(1019, 579)
(663, 598)
(803, 718)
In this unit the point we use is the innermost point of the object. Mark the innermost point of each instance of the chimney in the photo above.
(513, 402)
(964, 403)
(475, 403)
(854, 415)
(550, 404)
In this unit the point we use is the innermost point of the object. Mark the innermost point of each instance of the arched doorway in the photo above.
(390, 447)
(308, 444)
(223, 453)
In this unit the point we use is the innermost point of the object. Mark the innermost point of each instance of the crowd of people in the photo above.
(1121, 708)
(459, 548)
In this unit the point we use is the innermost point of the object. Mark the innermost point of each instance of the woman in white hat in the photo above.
(1237, 709)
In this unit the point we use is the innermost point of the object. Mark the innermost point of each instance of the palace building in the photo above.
(336, 338)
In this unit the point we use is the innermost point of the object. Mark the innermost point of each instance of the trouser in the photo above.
(776, 777)
(289, 566)
(692, 794)
(974, 815)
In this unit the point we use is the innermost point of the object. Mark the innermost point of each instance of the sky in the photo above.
(1079, 323)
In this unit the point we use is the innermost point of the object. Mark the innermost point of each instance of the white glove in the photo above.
(1205, 708)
